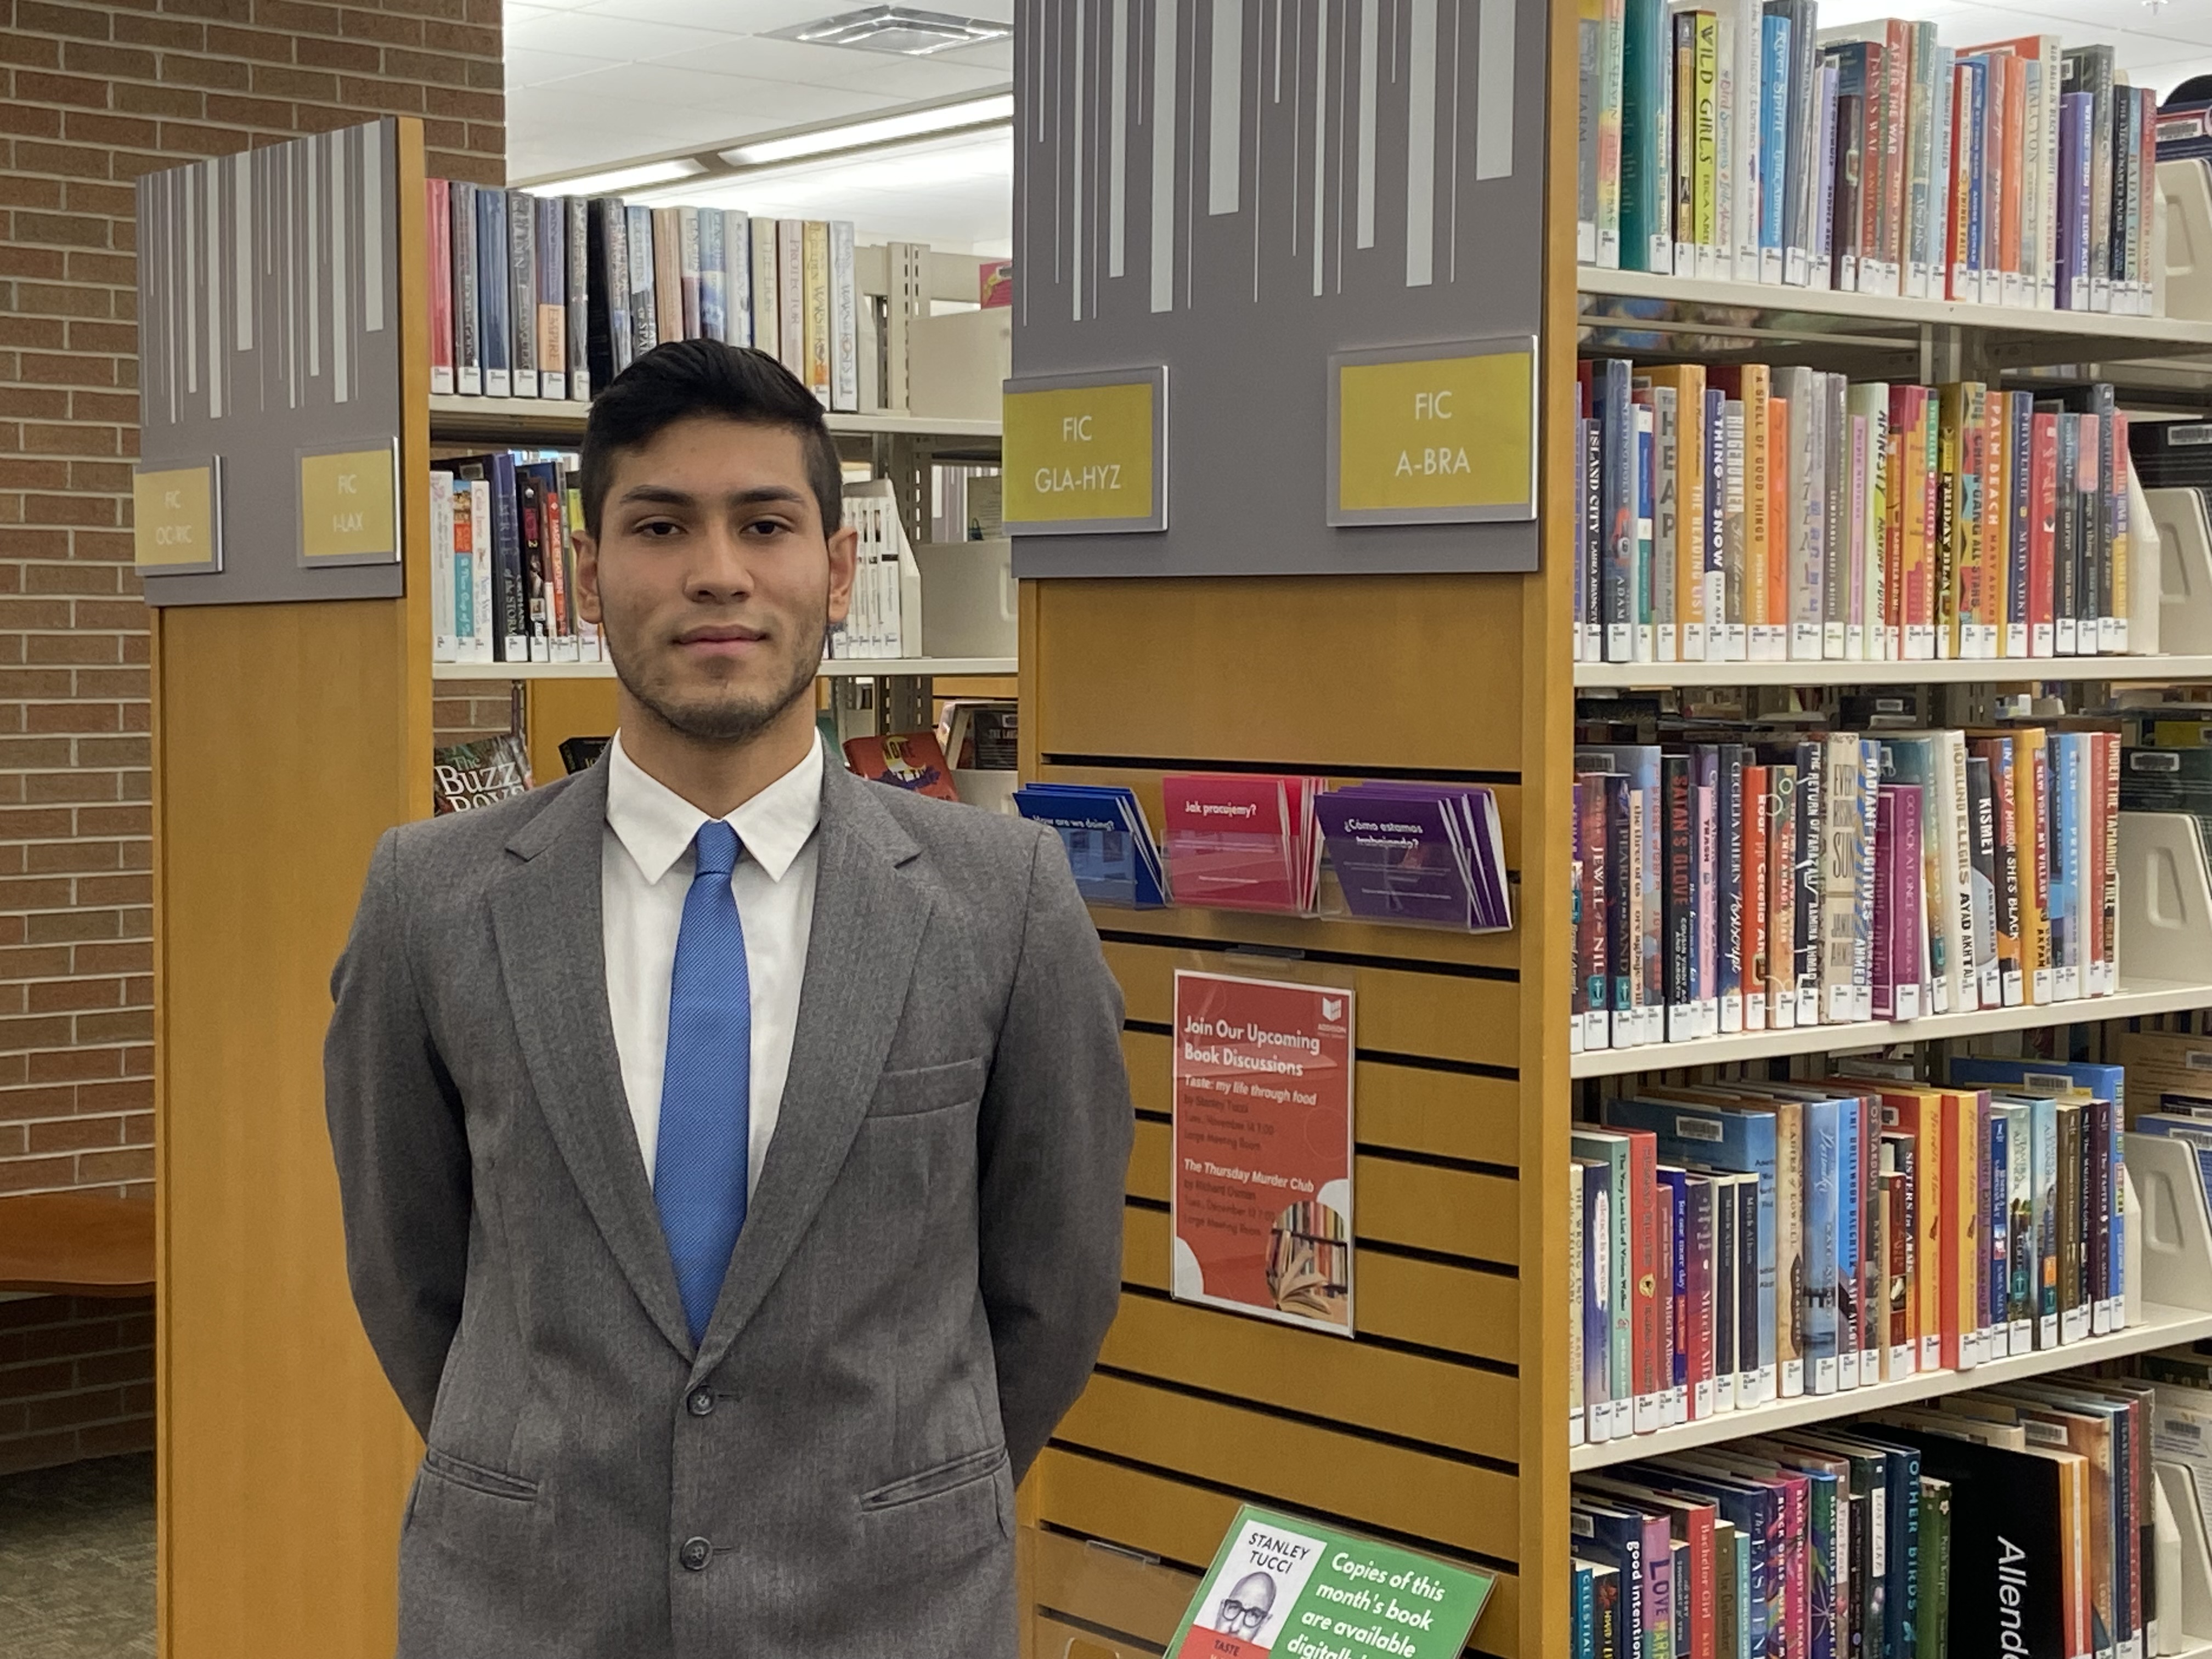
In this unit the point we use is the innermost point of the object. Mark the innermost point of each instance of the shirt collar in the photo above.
(656, 825)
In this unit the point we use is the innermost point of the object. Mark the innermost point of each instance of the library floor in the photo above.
(77, 1560)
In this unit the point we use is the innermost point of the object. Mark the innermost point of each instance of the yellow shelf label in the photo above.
(1084, 457)
(1435, 439)
(348, 513)
(172, 519)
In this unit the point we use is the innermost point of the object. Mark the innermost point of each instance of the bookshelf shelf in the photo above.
(2160, 1327)
(842, 668)
(2015, 335)
(1667, 676)
(2136, 997)
(456, 419)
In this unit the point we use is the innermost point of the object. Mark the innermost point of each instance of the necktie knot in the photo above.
(716, 848)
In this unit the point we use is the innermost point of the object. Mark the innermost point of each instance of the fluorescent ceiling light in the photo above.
(620, 178)
(942, 159)
(900, 29)
(885, 129)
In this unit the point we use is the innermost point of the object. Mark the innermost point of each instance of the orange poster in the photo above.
(1262, 1194)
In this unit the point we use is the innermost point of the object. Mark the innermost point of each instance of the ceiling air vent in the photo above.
(899, 29)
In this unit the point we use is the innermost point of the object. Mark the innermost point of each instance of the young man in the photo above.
(731, 1150)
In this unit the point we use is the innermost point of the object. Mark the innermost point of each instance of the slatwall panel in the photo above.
(1415, 1429)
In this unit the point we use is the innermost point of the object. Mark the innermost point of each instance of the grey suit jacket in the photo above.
(931, 1260)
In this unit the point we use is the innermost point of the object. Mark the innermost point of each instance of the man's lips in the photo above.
(730, 639)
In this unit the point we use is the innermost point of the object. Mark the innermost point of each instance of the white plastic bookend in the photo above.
(2186, 189)
(2196, 1609)
(2146, 574)
(2184, 541)
(2131, 1260)
(2176, 1227)
(2165, 900)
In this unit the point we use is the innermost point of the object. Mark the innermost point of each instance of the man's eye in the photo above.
(767, 527)
(658, 527)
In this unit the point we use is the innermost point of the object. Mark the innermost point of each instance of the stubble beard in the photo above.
(724, 716)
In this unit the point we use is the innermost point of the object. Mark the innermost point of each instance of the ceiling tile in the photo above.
(529, 68)
(890, 80)
(593, 34)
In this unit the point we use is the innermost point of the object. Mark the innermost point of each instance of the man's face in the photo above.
(710, 579)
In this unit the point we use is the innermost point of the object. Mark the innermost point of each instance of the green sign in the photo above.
(1280, 1586)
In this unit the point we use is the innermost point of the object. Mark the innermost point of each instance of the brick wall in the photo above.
(91, 96)
(76, 1380)
(462, 711)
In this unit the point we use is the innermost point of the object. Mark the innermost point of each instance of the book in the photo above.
(844, 319)
(576, 324)
(522, 291)
(645, 314)
(549, 309)
(493, 289)
(467, 777)
(767, 283)
(905, 760)
(819, 320)
(439, 228)
(790, 295)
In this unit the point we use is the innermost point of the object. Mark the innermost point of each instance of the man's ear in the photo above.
(844, 551)
(587, 577)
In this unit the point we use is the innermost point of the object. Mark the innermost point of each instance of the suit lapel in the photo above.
(868, 920)
(546, 915)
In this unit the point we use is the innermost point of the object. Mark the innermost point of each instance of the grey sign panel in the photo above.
(270, 324)
(1242, 189)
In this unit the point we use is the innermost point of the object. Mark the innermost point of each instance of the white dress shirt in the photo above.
(645, 863)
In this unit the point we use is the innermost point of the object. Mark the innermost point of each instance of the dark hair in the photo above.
(684, 378)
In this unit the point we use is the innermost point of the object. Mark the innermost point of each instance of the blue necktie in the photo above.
(706, 1084)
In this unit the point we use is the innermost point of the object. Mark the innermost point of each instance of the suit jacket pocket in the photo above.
(928, 1089)
(962, 1470)
(478, 1477)
(472, 1532)
(926, 1523)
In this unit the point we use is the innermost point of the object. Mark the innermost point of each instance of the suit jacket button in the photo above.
(694, 1554)
(701, 1402)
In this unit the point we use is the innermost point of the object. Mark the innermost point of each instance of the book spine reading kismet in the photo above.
(550, 296)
